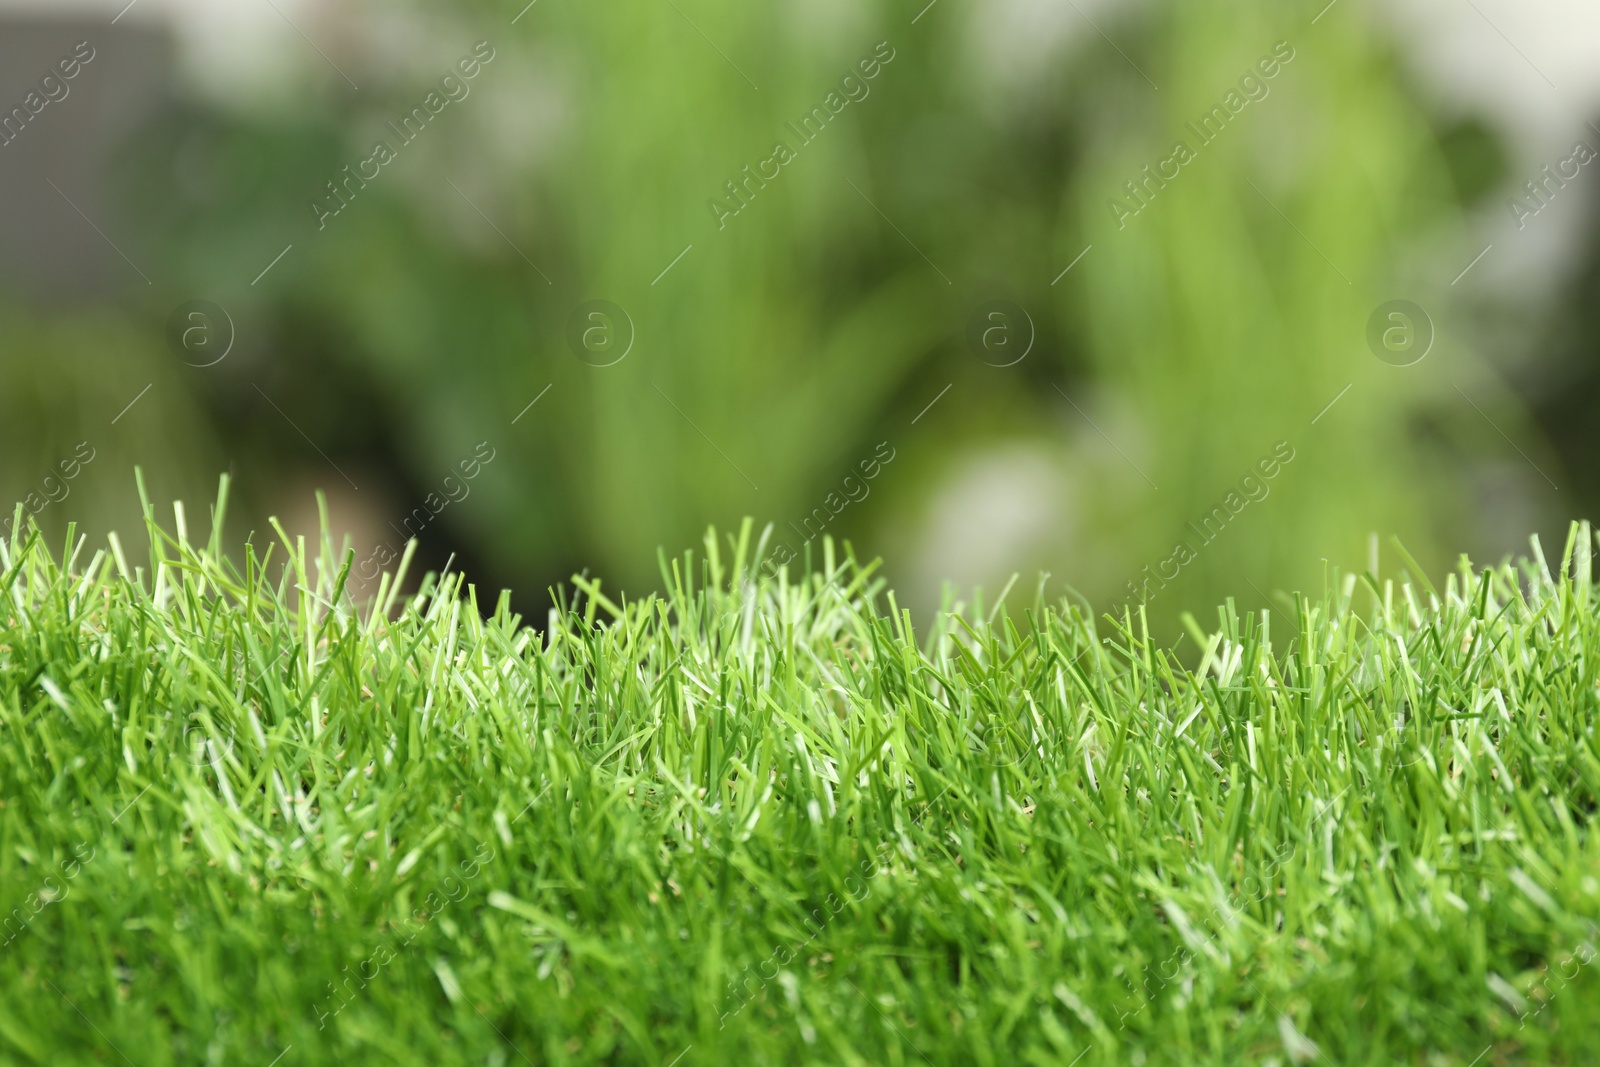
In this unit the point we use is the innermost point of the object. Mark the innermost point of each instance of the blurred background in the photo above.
(985, 288)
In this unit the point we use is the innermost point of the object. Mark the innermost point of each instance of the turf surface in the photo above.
(758, 820)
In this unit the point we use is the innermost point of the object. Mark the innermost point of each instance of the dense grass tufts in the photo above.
(759, 821)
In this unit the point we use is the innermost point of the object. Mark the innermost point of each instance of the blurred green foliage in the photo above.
(823, 317)
(1229, 312)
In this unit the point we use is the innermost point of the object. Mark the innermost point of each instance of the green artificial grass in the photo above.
(759, 821)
